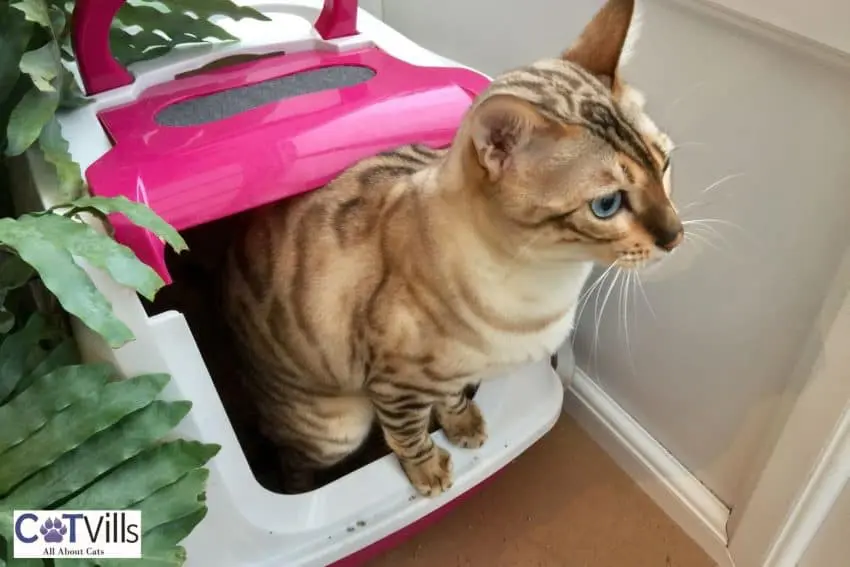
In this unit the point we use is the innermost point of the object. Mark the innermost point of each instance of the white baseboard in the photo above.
(675, 489)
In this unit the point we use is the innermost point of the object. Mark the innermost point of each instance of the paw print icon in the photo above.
(53, 530)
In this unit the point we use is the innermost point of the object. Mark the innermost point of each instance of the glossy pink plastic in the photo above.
(100, 71)
(191, 175)
(337, 19)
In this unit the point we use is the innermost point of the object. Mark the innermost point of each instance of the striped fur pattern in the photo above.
(419, 272)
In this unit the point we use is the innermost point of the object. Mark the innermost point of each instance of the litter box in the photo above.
(335, 85)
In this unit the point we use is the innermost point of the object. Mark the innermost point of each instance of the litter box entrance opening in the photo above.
(194, 292)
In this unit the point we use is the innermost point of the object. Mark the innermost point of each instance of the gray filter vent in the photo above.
(227, 103)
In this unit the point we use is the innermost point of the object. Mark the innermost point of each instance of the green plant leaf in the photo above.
(7, 320)
(166, 536)
(131, 48)
(25, 562)
(159, 544)
(28, 118)
(144, 474)
(71, 96)
(55, 149)
(15, 33)
(81, 240)
(78, 423)
(74, 471)
(208, 8)
(174, 501)
(42, 65)
(34, 11)
(120, 466)
(137, 213)
(19, 354)
(174, 557)
(57, 22)
(14, 272)
(178, 26)
(47, 396)
(63, 354)
(65, 279)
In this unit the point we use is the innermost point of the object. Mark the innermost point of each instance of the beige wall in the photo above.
(831, 546)
(705, 373)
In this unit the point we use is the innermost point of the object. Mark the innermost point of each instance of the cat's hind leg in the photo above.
(315, 433)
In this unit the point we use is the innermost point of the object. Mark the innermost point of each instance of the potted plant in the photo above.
(76, 435)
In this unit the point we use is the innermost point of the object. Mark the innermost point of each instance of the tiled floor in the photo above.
(564, 503)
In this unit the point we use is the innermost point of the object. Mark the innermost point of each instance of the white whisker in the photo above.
(704, 239)
(682, 145)
(583, 299)
(710, 221)
(626, 288)
(691, 205)
(601, 311)
(645, 298)
(722, 180)
(685, 94)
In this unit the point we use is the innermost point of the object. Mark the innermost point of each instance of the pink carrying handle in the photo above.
(99, 69)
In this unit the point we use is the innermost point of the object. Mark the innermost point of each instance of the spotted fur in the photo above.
(421, 271)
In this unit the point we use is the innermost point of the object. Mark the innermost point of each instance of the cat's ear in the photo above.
(502, 126)
(607, 41)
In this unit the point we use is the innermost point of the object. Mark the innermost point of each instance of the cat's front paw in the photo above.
(467, 429)
(433, 476)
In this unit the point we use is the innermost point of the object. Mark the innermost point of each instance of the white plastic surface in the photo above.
(247, 525)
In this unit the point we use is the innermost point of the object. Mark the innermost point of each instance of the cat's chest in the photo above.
(503, 351)
(514, 348)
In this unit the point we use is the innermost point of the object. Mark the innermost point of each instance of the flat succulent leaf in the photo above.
(75, 425)
(83, 241)
(60, 274)
(76, 470)
(54, 147)
(28, 118)
(137, 213)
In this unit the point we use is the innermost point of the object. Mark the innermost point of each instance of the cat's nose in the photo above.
(668, 240)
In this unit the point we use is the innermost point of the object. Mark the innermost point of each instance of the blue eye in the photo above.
(607, 206)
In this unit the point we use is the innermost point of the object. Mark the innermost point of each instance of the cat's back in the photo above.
(301, 271)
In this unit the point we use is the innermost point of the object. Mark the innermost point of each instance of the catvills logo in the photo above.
(113, 534)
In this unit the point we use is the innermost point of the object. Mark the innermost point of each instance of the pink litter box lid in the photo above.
(306, 117)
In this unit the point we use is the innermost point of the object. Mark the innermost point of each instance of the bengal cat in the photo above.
(419, 271)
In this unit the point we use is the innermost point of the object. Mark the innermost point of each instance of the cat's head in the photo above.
(568, 161)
